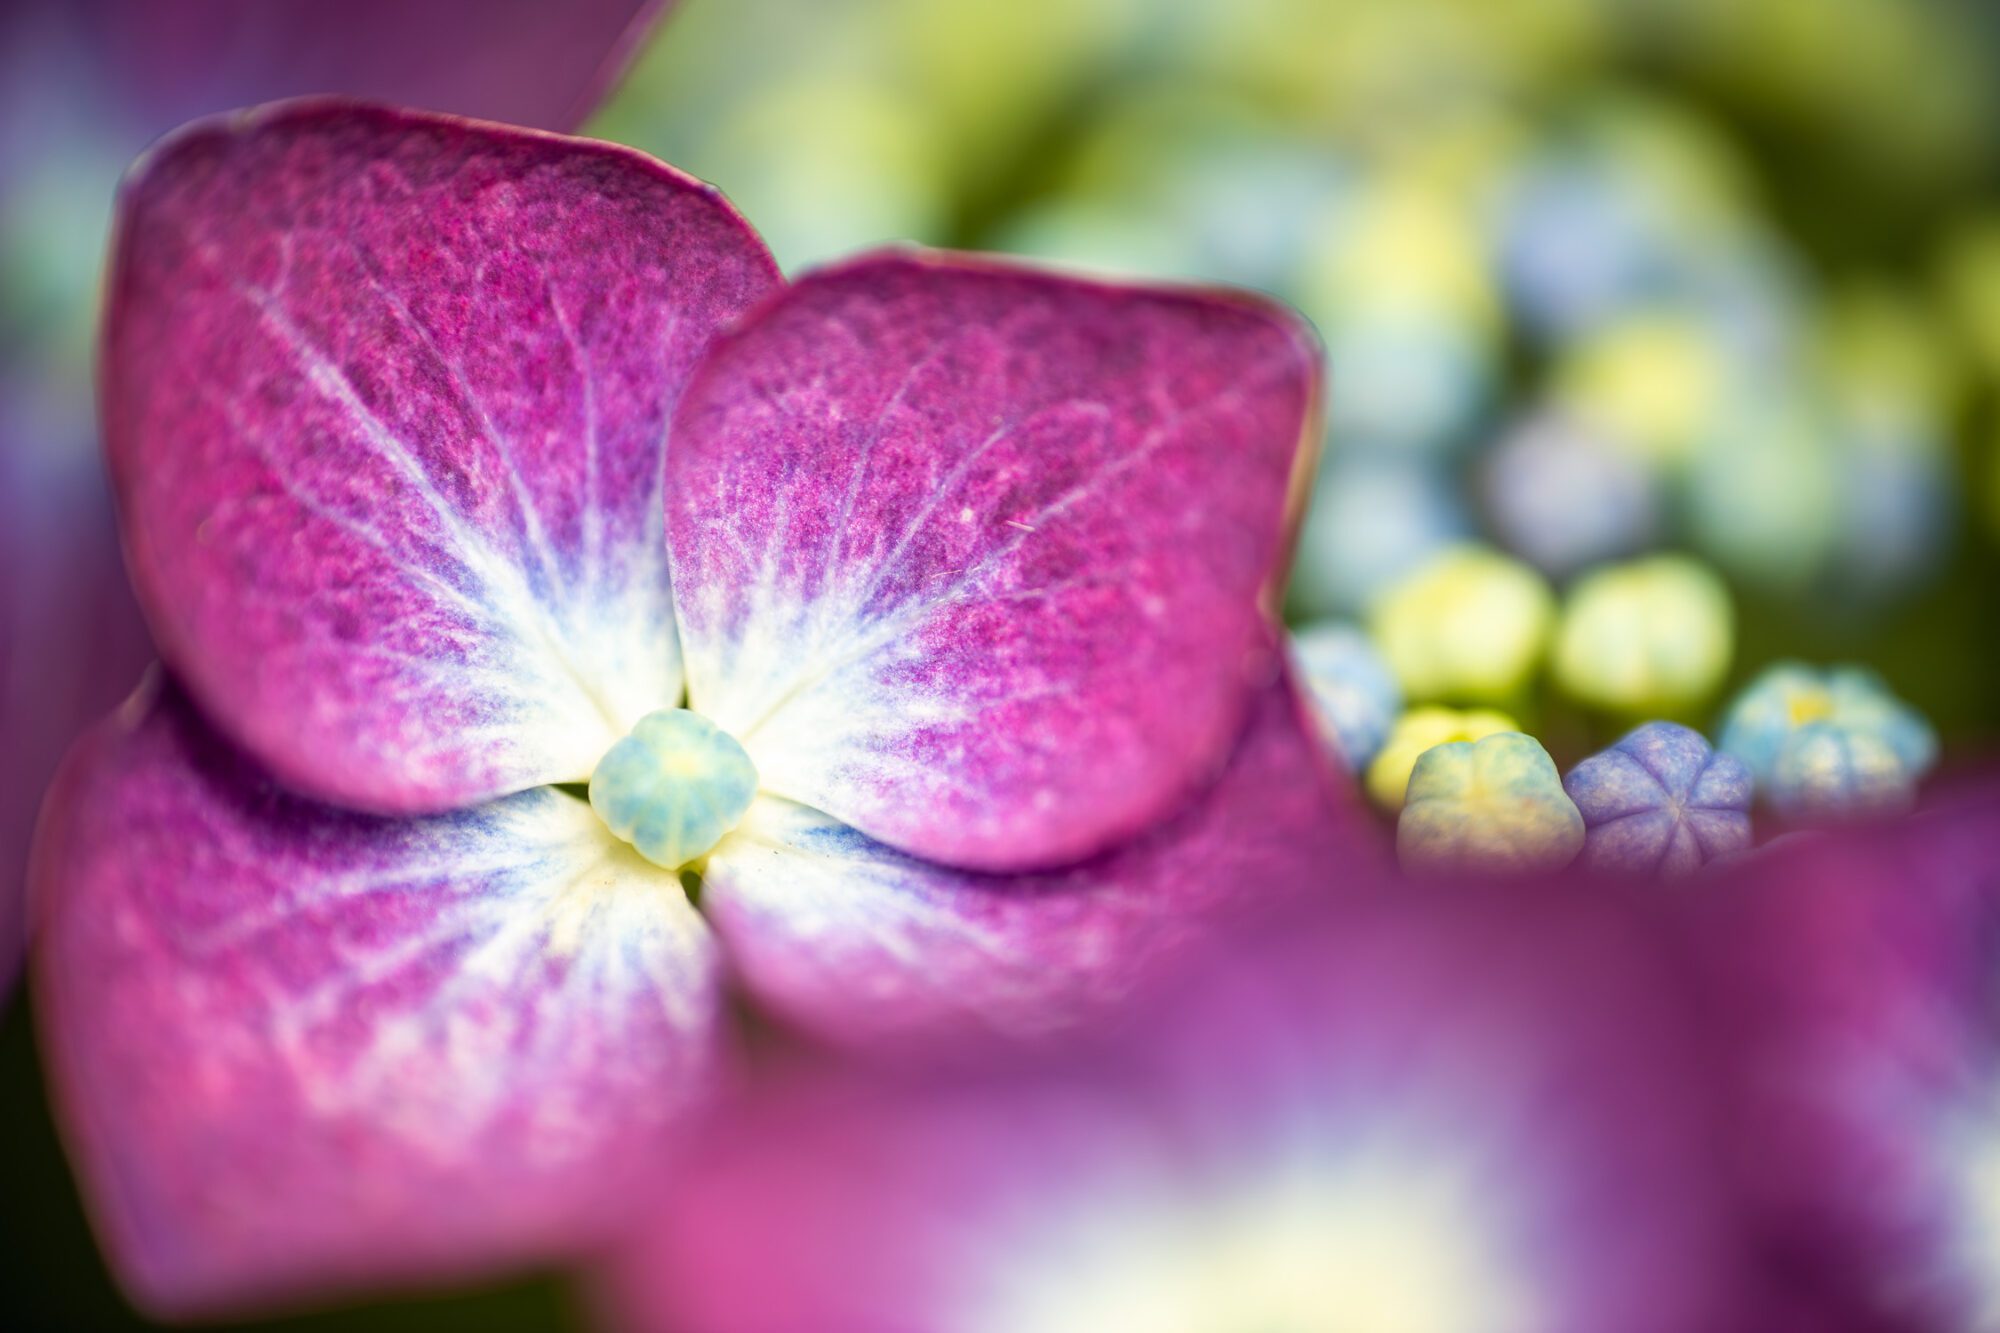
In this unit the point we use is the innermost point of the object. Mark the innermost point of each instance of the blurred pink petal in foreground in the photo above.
(1859, 976)
(410, 420)
(1439, 1109)
(84, 87)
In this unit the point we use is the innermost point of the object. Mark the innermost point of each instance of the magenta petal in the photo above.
(854, 940)
(1423, 1109)
(1856, 971)
(295, 1049)
(980, 560)
(385, 397)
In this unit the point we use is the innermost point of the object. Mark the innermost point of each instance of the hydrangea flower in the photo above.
(1773, 711)
(1419, 730)
(1492, 805)
(1660, 802)
(1857, 970)
(1649, 636)
(98, 80)
(1352, 690)
(1468, 625)
(411, 420)
(1420, 1112)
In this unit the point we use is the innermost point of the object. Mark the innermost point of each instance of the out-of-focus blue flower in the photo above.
(1898, 510)
(1631, 207)
(1790, 696)
(1660, 802)
(1352, 689)
(1409, 380)
(1561, 497)
(1373, 519)
(1490, 806)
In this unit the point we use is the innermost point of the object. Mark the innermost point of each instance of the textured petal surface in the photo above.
(980, 560)
(385, 397)
(1420, 1112)
(83, 88)
(848, 937)
(297, 1049)
(1855, 974)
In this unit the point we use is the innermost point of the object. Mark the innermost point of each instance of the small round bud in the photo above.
(1352, 690)
(1660, 802)
(1495, 806)
(1827, 772)
(673, 787)
(1417, 731)
(1654, 635)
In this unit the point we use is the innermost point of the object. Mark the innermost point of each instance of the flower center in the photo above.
(673, 787)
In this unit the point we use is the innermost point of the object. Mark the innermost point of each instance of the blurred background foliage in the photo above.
(1598, 278)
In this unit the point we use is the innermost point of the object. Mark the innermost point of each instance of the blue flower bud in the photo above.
(1660, 802)
(1352, 690)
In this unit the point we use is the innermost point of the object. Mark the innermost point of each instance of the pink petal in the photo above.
(980, 560)
(1498, 1097)
(852, 939)
(385, 398)
(295, 1049)
(86, 82)
(1855, 972)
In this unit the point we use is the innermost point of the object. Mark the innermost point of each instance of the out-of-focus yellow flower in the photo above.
(1652, 383)
(1417, 731)
(1469, 624)
(1647, 637)
(1405, 247)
